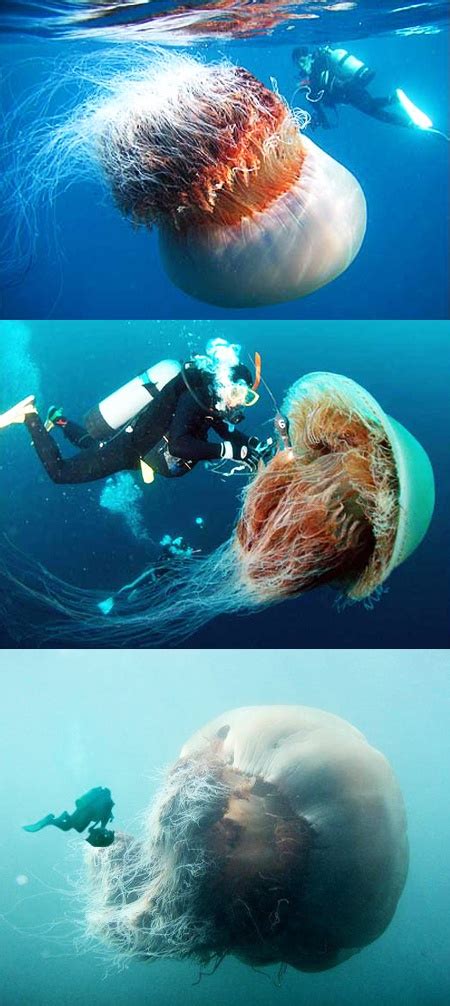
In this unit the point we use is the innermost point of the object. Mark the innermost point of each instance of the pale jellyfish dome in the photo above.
(279, 837)
(344, 792)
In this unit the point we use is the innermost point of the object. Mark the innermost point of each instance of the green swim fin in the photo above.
(43, 823)
(54, 413)
(106, 606)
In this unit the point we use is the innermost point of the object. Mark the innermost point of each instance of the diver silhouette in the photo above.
(156, 424)
(171, 549)
(335, 77)
(93, 812)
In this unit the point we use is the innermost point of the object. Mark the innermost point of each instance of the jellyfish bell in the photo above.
(279, 837)
(249, 210)
(279, 248)
(345, 506)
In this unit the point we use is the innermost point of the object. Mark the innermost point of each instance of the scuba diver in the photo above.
(171, 549)
(96, 807)
(158, 423)
(335, 77)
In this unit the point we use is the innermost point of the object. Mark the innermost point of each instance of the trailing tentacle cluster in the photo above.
(325, 512)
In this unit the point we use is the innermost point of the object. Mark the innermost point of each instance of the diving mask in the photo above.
(251, 398)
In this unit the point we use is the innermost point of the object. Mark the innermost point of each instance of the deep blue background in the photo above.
(404, 365)
(101, 268)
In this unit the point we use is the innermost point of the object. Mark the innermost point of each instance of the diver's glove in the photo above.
(246, 454)
(264, 448)
(233, 451)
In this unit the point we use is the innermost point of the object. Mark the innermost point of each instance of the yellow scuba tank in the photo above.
(125, 403)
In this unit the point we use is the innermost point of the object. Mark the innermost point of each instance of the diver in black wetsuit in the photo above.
(95, 806)
(171, 549)
(169, 436)
(332, 77)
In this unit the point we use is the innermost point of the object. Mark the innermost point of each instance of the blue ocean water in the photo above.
(71, 720)
(67, 529)
(89, 262)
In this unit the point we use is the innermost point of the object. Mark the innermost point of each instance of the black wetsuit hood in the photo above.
(201, 385)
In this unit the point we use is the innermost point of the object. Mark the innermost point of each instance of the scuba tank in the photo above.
(124, 404)
(347, 67)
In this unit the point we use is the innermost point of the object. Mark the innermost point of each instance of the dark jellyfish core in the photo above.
(324, 512)
(228, 861)
(244, 153)
(261, 849)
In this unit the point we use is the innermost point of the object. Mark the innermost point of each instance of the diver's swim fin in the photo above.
(54, 413)
(147, 473)
(413, 115)
(18, 412)
(43, 823)
(106, 606)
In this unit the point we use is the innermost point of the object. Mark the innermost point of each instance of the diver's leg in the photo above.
(320, 117)
(87, 466)
(63, 822)
(390, 109)
(385, 109)
(78, 435)
(73, 432)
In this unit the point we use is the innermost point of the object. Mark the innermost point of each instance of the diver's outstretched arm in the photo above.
(184, 441)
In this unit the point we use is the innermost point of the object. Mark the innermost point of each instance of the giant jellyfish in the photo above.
(348, 503)
(278, 837)
(343, 505)
(249, 210)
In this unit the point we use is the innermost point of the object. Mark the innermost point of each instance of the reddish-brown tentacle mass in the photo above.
(222, 148)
